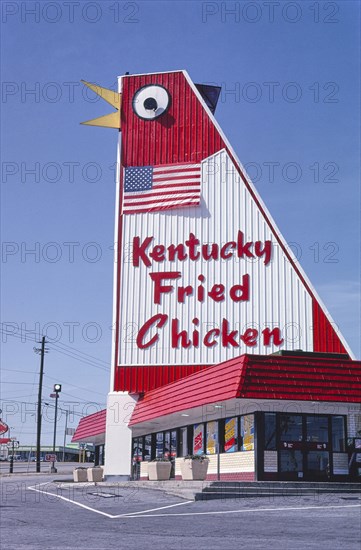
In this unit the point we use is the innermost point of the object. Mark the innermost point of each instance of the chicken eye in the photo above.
(151, 101)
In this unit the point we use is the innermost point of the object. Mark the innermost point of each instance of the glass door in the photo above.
(290, 459)
(302, 447)
(317, 456)
(170, 448)
(137, 456)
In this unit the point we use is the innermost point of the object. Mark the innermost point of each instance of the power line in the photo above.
(74, 353)
(27, 337)
(22, 371)
(82, 360)
(21, 383)
(51, 378)
(71, 348)
(68, 348)
(51, 405)
(78, 387)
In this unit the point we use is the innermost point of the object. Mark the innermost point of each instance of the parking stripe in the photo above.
(133, 514)
(248, 510)
(146, 514)
(71, 501)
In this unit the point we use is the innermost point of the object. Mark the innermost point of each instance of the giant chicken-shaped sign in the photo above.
(202, 273)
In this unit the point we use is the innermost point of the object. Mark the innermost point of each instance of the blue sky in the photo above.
(290, 82)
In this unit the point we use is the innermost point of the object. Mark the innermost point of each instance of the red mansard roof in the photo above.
(89, 426)
(136, 379)
(303, 377)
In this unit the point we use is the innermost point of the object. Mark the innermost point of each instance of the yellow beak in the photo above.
(113, 98)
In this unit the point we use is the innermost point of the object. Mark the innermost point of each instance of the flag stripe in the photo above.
(161, 206)
(180, 176)
(179, 167)
(164, 200)
(182, 184)
(170, 189)
(162, 196)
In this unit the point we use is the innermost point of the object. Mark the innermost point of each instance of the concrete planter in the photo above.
(194, 469)
(80, 475)
(95, 474)
(159, 471)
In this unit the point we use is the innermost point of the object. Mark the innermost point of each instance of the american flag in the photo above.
(149, 188)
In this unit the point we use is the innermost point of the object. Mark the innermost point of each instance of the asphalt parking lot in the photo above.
(37, 513)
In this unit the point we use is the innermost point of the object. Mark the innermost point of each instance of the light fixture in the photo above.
(218, 406)
(184, 414)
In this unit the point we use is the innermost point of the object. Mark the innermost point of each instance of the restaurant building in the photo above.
(222, 345)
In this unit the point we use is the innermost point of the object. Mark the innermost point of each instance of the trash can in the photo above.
(95, 474)
(80, 475)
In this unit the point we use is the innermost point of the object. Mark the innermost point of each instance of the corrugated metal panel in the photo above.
(324, 335)
(209, 386)
(184, 134)
(91, 425)
(278, 297)
(258, 377)
(145, 378)
(303, 379)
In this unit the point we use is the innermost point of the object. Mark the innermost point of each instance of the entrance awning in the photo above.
(91, 429)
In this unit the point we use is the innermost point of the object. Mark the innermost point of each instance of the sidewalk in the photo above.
(210, 490)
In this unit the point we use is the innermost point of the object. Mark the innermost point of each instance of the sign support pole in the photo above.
(53, 469)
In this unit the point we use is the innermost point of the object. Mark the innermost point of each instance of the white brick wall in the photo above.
(144, 469)
(354, 424)
(229, 463)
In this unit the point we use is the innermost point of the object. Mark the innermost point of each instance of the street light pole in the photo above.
(57, 390)
(12, 447)
(12, 457)
(66, 427)
(55, 419)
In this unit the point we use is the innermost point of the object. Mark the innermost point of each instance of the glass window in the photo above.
(173, 443)
(159, 445)
(338, 434)
(148, 447)
(198, 439)
(137, 448)
(317, 462)
(291, 427)
(291, 461)
(247, 432)
(270, 431)
(212, 437)
(317, 428)
(183, 444)
(230, 435)
(166, 444)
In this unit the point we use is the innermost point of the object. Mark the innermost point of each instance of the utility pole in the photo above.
(42, 352)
